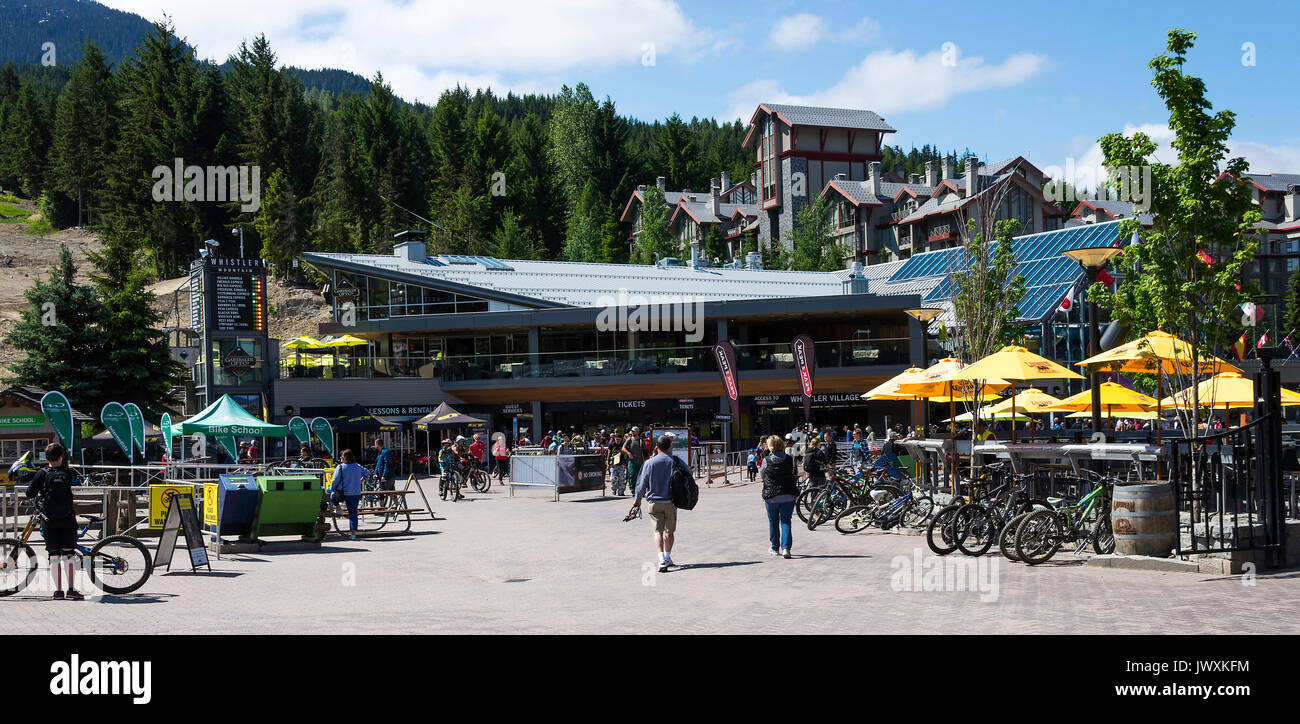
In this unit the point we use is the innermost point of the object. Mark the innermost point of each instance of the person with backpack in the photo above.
(654, 483)
(383, 465)
(814, 463)
(633, 455)
(779, 493)
(51, 487)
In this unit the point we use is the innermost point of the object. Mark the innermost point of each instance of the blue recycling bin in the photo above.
(237, 498)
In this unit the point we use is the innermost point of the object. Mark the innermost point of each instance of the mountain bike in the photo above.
(985, 522)
(479, 480)
(118, 564)
(449, 484)
(1042, 533)
(887, 510)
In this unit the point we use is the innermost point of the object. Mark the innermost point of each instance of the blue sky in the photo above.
(1007, 78)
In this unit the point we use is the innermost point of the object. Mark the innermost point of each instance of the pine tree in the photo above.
(654, 241)
(60, 333)
(26, 143)
(677, 154)
(811, 245)
(532, 186)
(582, 239)
(276, 224)
(141, 369)
(84, 129)
(511, 239)
(1291, 322)
(572, 131)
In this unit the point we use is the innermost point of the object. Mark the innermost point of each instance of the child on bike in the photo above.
(52, 488)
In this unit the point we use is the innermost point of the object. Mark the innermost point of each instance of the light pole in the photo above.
(1092, 259)
(924, 315)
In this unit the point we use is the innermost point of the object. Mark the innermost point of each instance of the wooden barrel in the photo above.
(1144, 520)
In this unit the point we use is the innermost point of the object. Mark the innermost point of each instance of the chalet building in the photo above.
(1101, 211)
(729, 194)
(798, 149)
(877, 220)
(693, 218)
(1278, 255)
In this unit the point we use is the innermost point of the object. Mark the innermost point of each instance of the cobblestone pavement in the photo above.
(529, 565)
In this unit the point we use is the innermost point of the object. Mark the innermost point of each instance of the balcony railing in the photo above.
(597, 363)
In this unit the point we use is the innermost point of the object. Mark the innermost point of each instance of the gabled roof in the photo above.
(32, 396)
(793, 115)
(670, 199)
(703, 214)
(1270, 182)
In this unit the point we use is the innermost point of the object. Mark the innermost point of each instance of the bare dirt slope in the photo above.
(291, 311)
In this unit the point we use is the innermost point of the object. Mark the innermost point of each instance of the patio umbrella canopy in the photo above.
(226, 417)
(1114, 397)
(356, 419)
(1155, 352)
(445, 415)
(938, 383)
(888, 390)
(1226, 389)
(1030, 401)
(1134, 415)
(1016, 364)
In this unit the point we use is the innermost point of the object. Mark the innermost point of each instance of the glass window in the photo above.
(378, 298)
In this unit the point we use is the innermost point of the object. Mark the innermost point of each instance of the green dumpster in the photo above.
(290, 505)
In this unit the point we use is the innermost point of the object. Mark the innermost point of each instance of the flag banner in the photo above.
(136, 420)
(55, 407)
(725, 353)
(1105, 278)
(165, 425)
(1068, 302)
(1239, 347)
(805, 365)
(323, 431)
(227, 443)
(1262, 341)
(114, 418)
(298, 427)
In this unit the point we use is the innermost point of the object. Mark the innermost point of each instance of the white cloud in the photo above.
(421, 44)
(893, 82)
(803, 30)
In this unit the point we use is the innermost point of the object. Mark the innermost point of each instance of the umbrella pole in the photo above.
(952, 435)
(1013, 412)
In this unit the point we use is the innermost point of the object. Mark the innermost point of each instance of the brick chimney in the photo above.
(914, 178)
(873, 178)
(972, 176)
(948, 163)
(931, 174)
(713, 196)
(661, 182)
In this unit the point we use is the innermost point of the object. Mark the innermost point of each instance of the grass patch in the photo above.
(10, 211)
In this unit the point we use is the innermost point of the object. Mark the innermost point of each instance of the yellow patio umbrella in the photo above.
(346, 340)
(1114, 398)
(939, 382)
(301, 343)
(1134, 415)
(1030, 401)
(1228, 389)
(888, 390)
(1017, 364)
(1157, 352)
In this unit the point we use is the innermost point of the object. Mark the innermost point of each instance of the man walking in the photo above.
(383, 465)
(633, 454)
(655, 485)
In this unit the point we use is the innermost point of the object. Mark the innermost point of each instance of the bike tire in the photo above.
(918, 513)
(19, 566)
(1007, 538)
(126, 585)
(820, 510)
(1103, 538)
(1039, 537)
(941, 524)
(803, 503)
(854, 519)
(980, 532)
(485, 483)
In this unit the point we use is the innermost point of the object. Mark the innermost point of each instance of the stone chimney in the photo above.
(914, 178)
(726, 180)
(1291, 203)
(640, 189)
(873, 178)
(931, 174)
(713, 196)
(972, 176)
(948, 163)
(661, 182)
(841, 176)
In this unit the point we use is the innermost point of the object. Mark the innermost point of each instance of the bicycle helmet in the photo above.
(23, 469)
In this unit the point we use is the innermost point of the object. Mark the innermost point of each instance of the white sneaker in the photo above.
(669, 561)
(785, 552)
(772, 552)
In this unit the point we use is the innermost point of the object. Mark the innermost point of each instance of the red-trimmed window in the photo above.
(767, 154)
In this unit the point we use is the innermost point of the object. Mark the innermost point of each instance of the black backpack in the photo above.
(812, 463)
(686, 492)
(56, 495)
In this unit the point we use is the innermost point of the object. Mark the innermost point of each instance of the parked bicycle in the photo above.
(118, 564)
(1087, 521)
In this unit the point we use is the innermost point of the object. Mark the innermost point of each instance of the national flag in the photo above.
(1239, 347)
(1262, 341)
(1287, 341)
(1068, 302)
(1105, 278)
(1204, 257)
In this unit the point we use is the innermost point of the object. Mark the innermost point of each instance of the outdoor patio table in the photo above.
(390, 504)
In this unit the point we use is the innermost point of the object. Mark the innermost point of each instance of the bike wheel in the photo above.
(18, 566)
(980, 531)
(918, 513)
(821, 509)
(803, 504)
(1007, 538)
(854, 519)
(939, 533)
(120, 564)
(1039, 537)
(1103, 538)
(485, 482)
(445, 487)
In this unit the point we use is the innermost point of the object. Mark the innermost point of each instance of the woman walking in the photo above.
(779, 492)
(347, 483)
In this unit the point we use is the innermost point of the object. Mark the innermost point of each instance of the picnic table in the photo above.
(380, 507)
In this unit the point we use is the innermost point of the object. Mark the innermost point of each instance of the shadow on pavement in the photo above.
(691, 566)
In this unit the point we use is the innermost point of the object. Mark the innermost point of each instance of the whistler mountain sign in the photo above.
(238, 362)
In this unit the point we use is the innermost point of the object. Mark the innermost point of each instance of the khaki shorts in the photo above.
(664, 516)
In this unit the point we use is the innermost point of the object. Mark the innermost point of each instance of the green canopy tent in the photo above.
(226, 418)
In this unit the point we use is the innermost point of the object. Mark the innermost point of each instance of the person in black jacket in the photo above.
(815, 462)
(779, 493)
(52, 486)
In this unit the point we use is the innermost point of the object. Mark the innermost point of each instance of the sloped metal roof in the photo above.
(833, 117)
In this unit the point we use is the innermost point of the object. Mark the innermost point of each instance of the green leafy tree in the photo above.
(582, 240)
(277, 223)
(987, 292)
(1292, 311)
(654, 241)
(812, 248)
(59, 333)
(1165, 284)
(572, 131)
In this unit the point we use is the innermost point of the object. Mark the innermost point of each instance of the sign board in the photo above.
(238, 295)
(681, 441)
(113, 415)
(22, 421)
(210, 503)
(238, 362)
(180, 517)
(160, 495)
(188, 356)
(575, 473)
(136, 421)
(196, 300)
(56, 409)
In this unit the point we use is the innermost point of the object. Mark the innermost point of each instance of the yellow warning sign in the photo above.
(159, 497)
(209, 503)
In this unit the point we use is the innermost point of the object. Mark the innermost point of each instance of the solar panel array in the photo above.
(1048, 275)
(487, 262)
